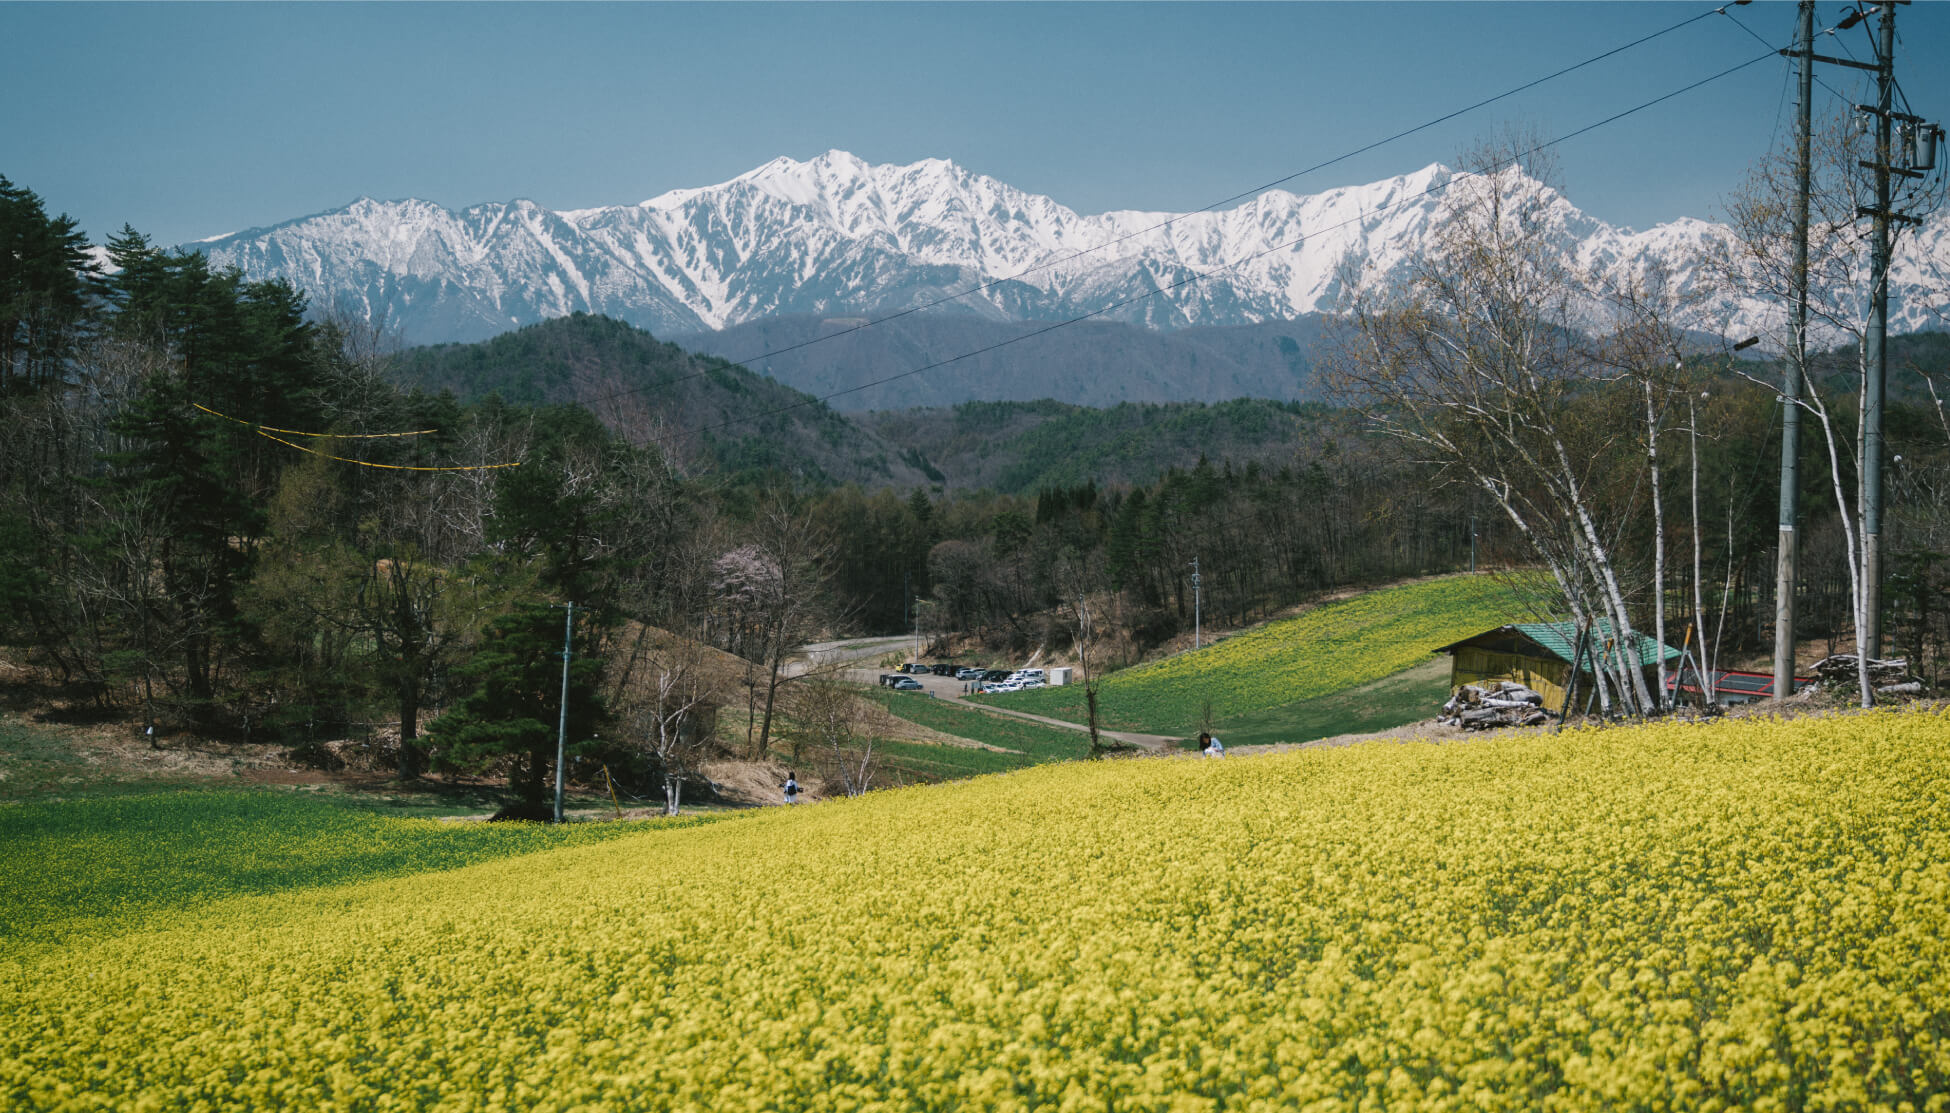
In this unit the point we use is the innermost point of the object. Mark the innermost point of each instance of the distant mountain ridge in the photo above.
(1093, 363)
(838, 237)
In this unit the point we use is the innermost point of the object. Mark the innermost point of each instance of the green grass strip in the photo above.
(1329, 649)
(117, 862)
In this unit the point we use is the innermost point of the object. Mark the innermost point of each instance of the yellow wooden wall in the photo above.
(1544, 675)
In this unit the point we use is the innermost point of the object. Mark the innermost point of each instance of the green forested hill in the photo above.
(1018, 447)
(707, 409)
(739, 421)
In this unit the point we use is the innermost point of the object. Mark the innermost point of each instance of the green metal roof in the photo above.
(1560, 640)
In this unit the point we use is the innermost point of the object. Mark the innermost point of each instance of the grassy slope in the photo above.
(118, 861)
(1683, 917)
(1029, 743)
(37, 761)
(1408, 696)
(1330, 649)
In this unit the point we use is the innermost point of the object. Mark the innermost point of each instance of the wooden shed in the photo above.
(1538, 656)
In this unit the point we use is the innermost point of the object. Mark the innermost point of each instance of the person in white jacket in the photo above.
(1214, 747)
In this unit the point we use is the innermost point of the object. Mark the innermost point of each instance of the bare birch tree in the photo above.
(829, 712)
(772, 591)
(1477, 359)
(668, 697)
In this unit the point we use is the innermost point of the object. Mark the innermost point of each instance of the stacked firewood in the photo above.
(1503, 703)
(1888, 677)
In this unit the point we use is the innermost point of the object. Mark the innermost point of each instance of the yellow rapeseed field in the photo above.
(1749, 915)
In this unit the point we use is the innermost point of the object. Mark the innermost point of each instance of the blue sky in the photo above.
(193, 120)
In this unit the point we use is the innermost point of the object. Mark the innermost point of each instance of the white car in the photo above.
(1004, 686)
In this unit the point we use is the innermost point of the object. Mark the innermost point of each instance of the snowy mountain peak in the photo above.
(836, 235)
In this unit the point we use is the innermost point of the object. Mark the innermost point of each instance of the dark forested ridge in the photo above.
(697, 407)
(719, 414)
(1024, 447)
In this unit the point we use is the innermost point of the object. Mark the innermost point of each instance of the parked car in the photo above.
(1025, 685)
(996, 675)
(1004, 686)
(915, 667)
(944, 670)
(966, 673)
(887, 679)
(906, 684)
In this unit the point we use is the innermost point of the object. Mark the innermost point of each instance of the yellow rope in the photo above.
(301, 433)
(394, 467)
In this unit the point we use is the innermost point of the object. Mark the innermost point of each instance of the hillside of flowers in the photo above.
(1329, 648)
(1747, 915)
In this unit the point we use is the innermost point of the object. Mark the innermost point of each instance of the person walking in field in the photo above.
(791, 788)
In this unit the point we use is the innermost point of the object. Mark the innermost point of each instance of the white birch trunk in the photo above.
(1631, 686)
(1566, 585)
(1699, 599)
(1851, 552)
(1658, 547)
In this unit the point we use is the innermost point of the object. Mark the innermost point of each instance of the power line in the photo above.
(1200, 276)
(388, 467)
(1114, 241)
(268, 432)
(300, 433)
(1826, 31)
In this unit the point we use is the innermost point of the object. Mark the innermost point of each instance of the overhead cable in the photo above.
(298, 433)
(269, 432)
(389, 467)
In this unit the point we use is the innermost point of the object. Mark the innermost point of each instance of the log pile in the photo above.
(1888, 677)
(1504, 703)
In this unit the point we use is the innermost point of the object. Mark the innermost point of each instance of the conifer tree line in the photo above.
(164, 562)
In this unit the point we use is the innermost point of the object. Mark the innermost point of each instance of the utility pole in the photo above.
(1197, 602)
(1472, 543)
(1915, 159)
(562, 723)
(1788, 544)
(1876, 355)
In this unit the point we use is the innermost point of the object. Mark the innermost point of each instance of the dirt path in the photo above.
(821, 654)
(1156, 742)
(950, 690)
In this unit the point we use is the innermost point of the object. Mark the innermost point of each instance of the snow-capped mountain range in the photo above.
(838, 237)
